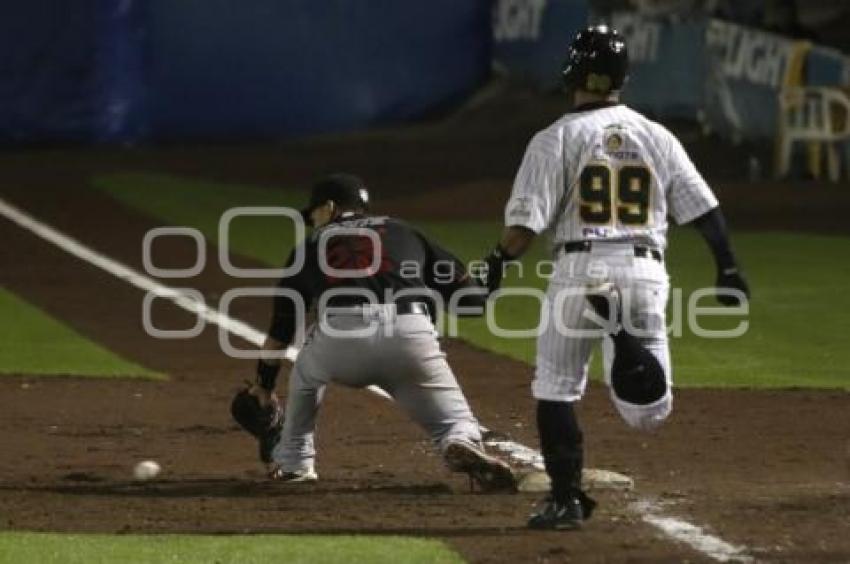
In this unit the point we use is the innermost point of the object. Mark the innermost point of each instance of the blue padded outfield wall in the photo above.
(48, 81)
(133, 70)
(127, 70)
(302, 66)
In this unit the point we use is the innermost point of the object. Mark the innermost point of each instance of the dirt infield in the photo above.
(766, 470)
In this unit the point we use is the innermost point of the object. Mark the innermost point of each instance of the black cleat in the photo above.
(562, 516)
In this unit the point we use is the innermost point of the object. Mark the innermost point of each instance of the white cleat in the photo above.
(301, 476)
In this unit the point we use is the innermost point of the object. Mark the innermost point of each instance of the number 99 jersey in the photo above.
(606, 172)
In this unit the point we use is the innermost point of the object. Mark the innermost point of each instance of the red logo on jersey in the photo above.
(356, 254)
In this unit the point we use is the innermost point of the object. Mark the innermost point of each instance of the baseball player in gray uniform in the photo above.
(603, 179)
(375, 282)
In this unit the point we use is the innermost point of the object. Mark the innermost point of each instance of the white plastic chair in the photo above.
(811, 114)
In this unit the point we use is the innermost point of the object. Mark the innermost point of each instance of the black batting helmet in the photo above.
(597, 61)
(345, 190)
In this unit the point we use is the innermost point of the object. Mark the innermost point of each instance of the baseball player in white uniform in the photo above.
(603, 179)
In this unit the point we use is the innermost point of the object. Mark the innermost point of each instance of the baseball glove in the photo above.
(263, 422)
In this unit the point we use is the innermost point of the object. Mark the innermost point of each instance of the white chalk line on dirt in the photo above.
(689, 534)
(674, 528)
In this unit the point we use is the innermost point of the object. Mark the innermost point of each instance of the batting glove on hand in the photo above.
(490, 276)
(728, 280)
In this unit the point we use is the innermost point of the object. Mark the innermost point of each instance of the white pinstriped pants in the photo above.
(566, 344)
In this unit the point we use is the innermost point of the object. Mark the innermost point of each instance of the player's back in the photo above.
(383, 257)
(368, 252)
(618, 170)
(611, 133)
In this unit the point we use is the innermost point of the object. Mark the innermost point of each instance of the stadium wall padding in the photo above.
(130, 70)
(725, 75)
(530, 37)
(48, 79)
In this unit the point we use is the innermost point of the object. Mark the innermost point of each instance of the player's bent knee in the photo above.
(558, 388)
(647, 417)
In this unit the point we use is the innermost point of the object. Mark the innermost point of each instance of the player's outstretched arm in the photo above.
(712, 227)
(514, 242)
(255, 407)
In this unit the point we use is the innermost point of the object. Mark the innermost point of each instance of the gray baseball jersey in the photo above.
(606, 174)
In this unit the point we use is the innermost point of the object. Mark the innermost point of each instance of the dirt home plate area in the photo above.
(763, 473)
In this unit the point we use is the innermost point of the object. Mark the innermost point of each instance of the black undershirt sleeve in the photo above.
(712, 226)
(445, 273)
(284, 318)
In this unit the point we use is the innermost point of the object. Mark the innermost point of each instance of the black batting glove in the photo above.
(490, 276)
(731, 278)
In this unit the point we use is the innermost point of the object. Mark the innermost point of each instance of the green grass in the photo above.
(46, 548)
(33, 343)
(797, 326)
(184, 202)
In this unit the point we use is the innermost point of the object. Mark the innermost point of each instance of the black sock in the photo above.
(636, 375)
(561, 443)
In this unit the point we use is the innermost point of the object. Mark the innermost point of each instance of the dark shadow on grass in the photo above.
(223, 488)
(430, 532)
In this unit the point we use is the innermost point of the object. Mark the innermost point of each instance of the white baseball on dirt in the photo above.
(146, 470)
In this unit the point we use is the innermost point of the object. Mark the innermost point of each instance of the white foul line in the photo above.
(679, 530)
(690, 534)
(180, 298)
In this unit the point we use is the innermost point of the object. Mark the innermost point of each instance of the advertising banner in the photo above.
(728, 75)
(530, 37)
(747, 70)
(668, 65)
